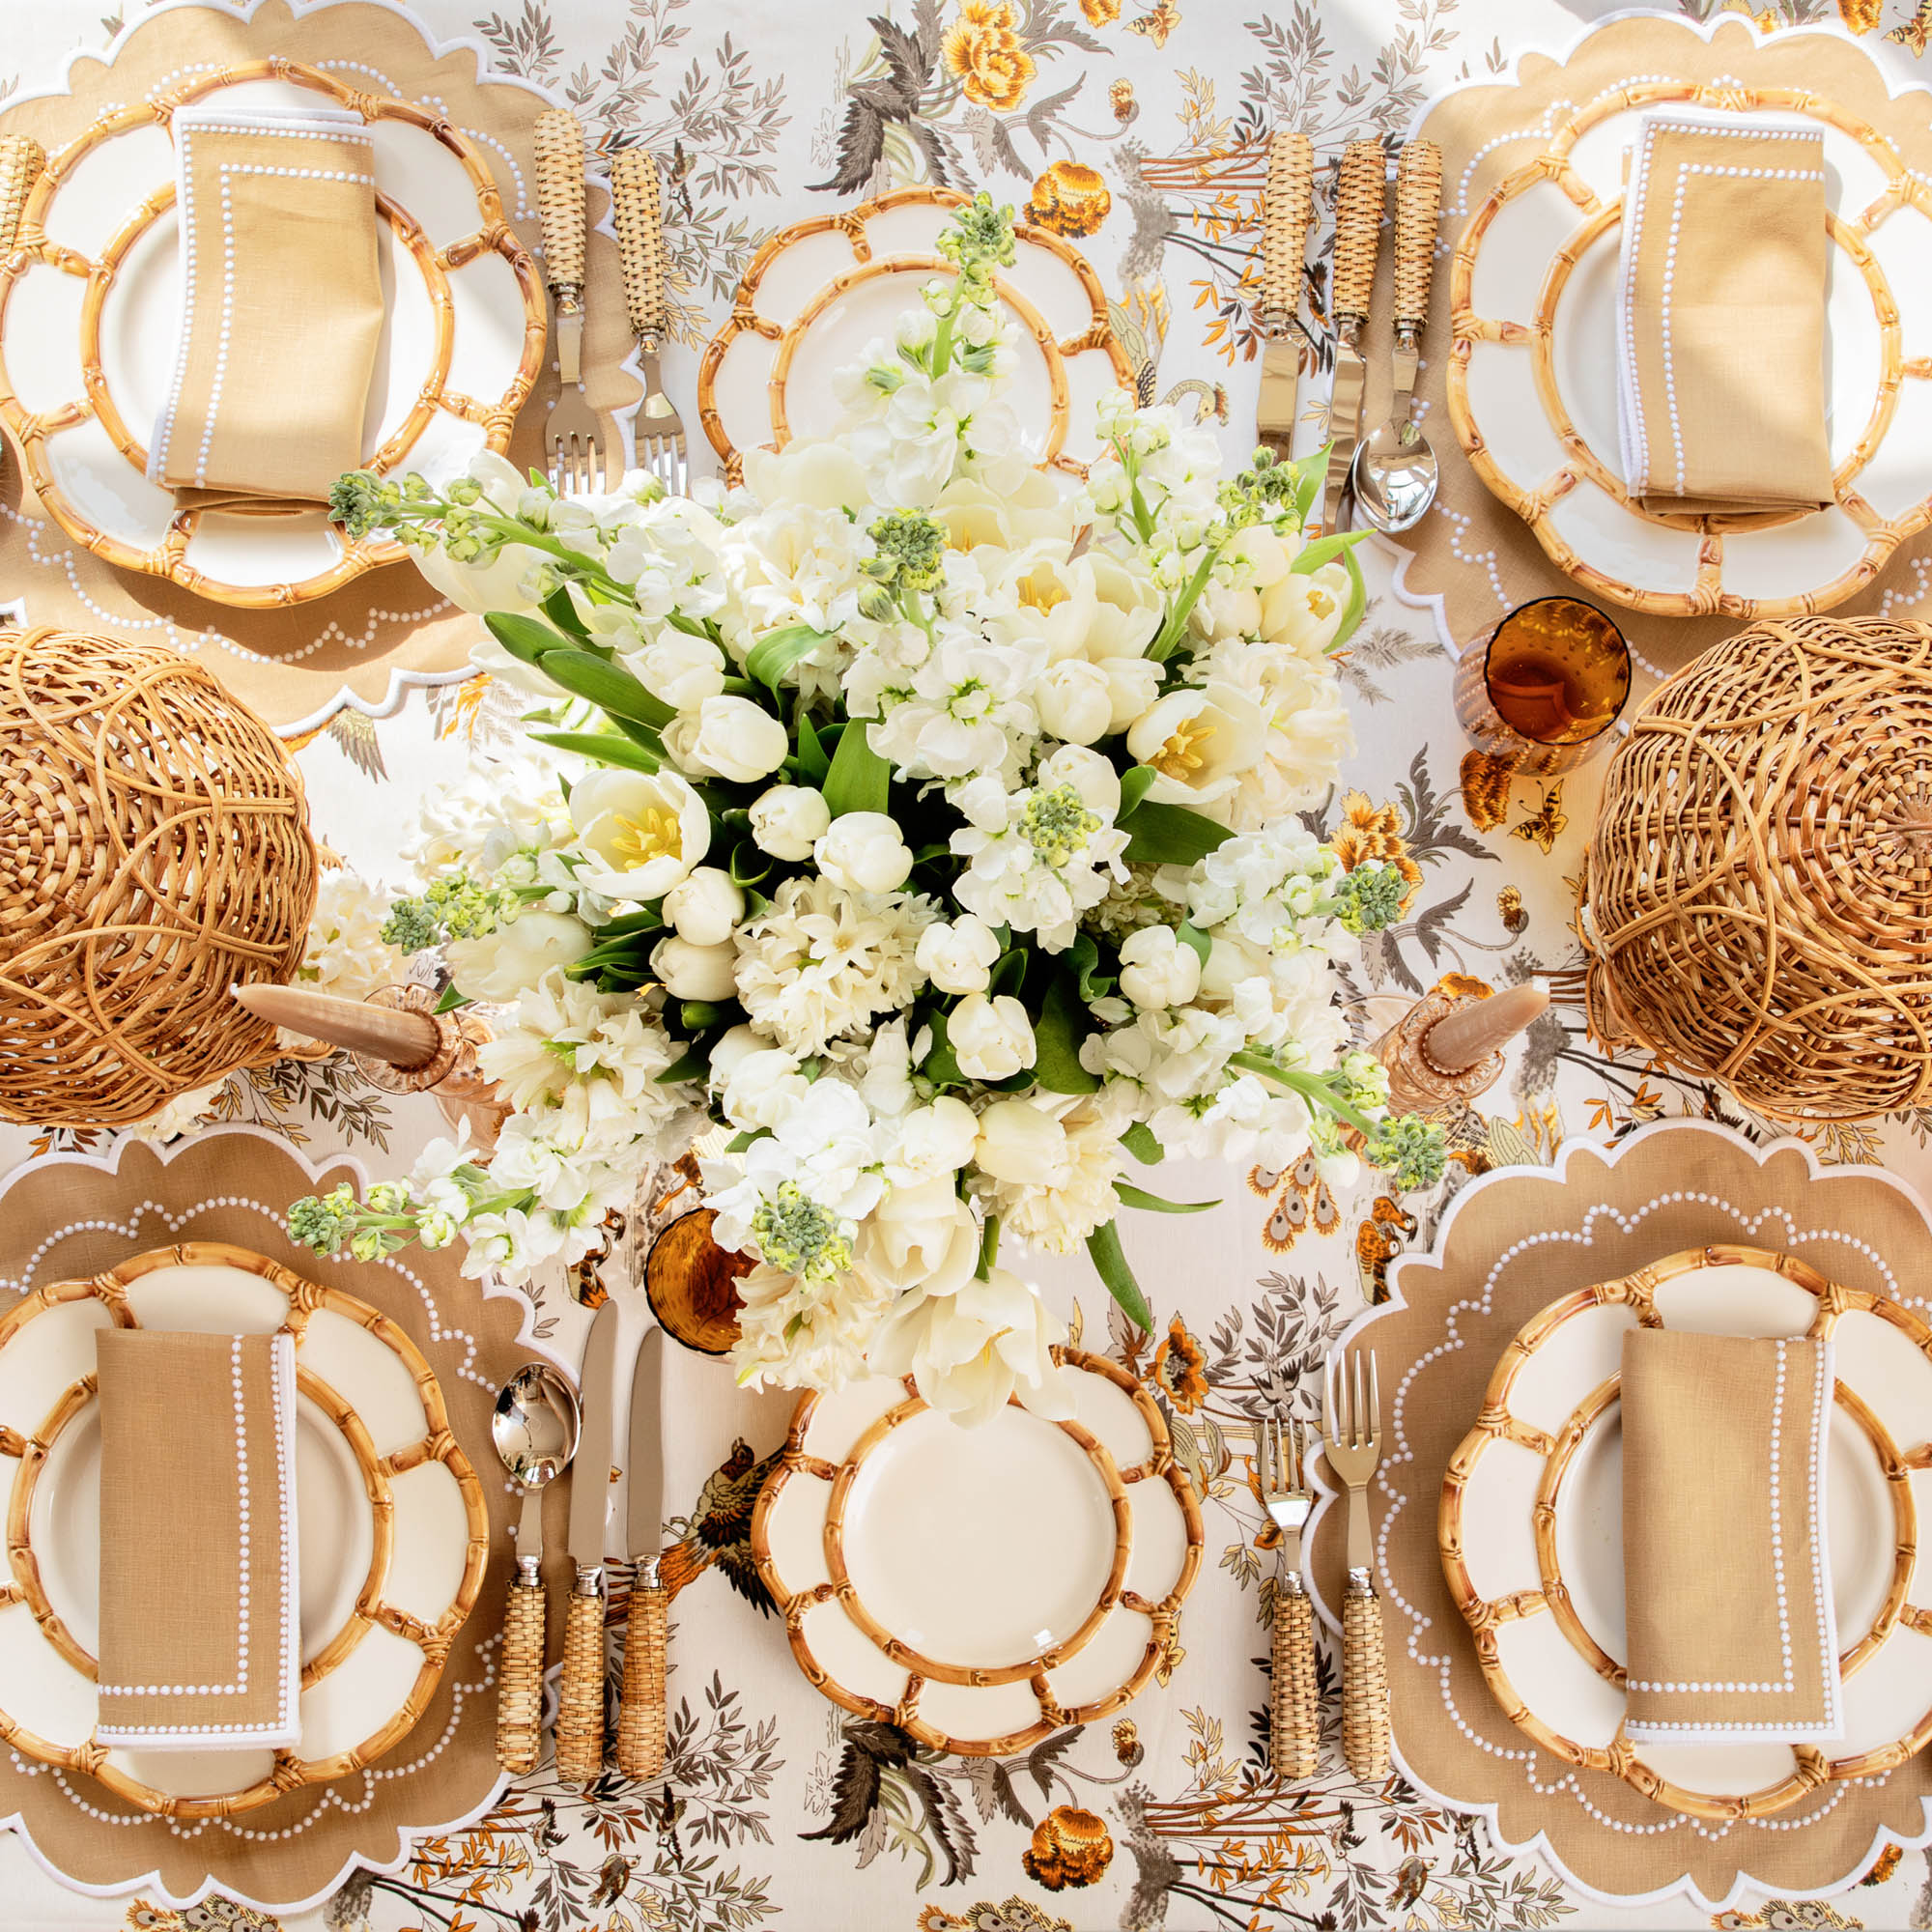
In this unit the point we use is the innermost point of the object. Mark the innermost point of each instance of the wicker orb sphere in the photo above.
(1757, 901)
(154, 851)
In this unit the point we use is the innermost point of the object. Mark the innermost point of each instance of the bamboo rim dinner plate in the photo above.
(980, 1587)
(89, 320)
(392, 1528)
(817, 293)
(1532, 373)
(1530, 1527)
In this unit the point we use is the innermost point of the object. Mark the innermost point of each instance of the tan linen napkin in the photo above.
(281, 305)
(200, 1644)
(1727, 1579)
(1720, 315)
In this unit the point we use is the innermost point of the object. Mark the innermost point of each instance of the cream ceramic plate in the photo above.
(89, 319)
(391, 1523)
(1532, 376)
(816, 294)
(979, 1587)
(1531, 1526)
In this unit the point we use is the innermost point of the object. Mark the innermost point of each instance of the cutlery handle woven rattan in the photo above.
(580, 1710)
(560, 196)
(640, 1719)
(1418, 200)
(1289, 208)
(21, 159)
(1365, 1707)
(639, 214)
(520, 1680)
(1294, 1705)
(1358, 225)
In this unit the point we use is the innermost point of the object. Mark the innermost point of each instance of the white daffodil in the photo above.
(1198, 742)
(642, 831)
(972, 1349)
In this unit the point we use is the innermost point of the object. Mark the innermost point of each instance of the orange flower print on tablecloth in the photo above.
(1070, 199)
(1127, 1746)
(985, 52)
(1100, 12)
(1860, 15)
(1371, 833)
(1121, 97)
(1070, 1847)
(1181, 1368)
(1485, 790)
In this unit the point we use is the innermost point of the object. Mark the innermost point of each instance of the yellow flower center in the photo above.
(1041, 590)
(1318, 600)
(1178, 756)
(655, 834)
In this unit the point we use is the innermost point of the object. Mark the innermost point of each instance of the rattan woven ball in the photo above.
(154, 850)
(1757, 900)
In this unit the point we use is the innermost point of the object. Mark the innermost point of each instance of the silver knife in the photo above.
(640, 1717)
(580, 1713)
(1359, 223)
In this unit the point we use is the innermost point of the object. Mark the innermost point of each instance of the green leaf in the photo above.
(1192, 935)
(693, 1063)
(694, 1015)
(606, 686)
(813, 759)
(523, 637)
(1063, 1023)
(1169, 835)
(450, 1001)
(601, 750)
(1356, 607)
(1134, 783)
(939, 1065)
(749, 865)
(1009, 973)
(738, 1143)
(1310, 474)
(1140, 1142)
(562, 612)
(1131, 1195)
(1325, 550)
(859, 780)
(1111, 1265)
(775, 654)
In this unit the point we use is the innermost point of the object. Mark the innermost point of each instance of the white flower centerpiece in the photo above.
(931, 830)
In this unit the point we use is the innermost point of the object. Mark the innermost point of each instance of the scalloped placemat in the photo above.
(388, 629)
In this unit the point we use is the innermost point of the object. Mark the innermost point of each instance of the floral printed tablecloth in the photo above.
(1129, 126)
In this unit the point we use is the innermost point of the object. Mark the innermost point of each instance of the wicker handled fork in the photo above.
(576, 446)
(658, 430)
(1352, 1444)
(1294, 1703)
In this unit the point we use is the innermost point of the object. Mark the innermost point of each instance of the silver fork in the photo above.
(1294, 1705)
(1353, 1444)
(658, 430)
(576, 446)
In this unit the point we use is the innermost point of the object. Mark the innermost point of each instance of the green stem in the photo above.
(989, 1249)
(1312, 1087)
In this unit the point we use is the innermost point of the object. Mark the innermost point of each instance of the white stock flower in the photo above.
(1051, 1179)
(728, 738)
(862, 852)
(991, 1039)
(642, 831)
(967, 709)
(498, 965)
(787, 820)
(970, 1351)
(1199, 742)
(690, 972)
(958, 955)
(499, 806)
(1158, 968)
(704, 907)
(796, 1333)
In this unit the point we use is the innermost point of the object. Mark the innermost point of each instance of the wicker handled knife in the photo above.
(580, 1711)
(640, 1719)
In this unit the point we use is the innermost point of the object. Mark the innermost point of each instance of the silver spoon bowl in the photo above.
(535, 1424)
(1394, 477)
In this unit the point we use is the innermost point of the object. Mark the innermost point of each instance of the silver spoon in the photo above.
(534, 1427)
(1395, 467)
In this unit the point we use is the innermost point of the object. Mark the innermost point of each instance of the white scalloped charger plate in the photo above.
(979, 1587)
(1532, 1525)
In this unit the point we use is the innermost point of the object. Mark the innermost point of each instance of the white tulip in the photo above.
(690, 972)
(991, 1039)
(704, 907)
(1093, 778)
(1158, 968)
(763, 1088)
(681, 669)
(1199, 743)
(957, 957)
(731, 738)
(921, 1236)
(1075, 701)
(1304, 612)
(500, 964)
(1021, 1143)
(643, 830)
(862, 852)
(731, 1048)
(935, 1140)
(788, 821)
(970, 1351)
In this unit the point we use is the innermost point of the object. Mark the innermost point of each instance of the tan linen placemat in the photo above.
(1516, 1241)
(295, 667)
(281, 305)
(1721, 317)
(1471, 551)
(64, 1217)
(1727, 1584)
(200, 1600)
